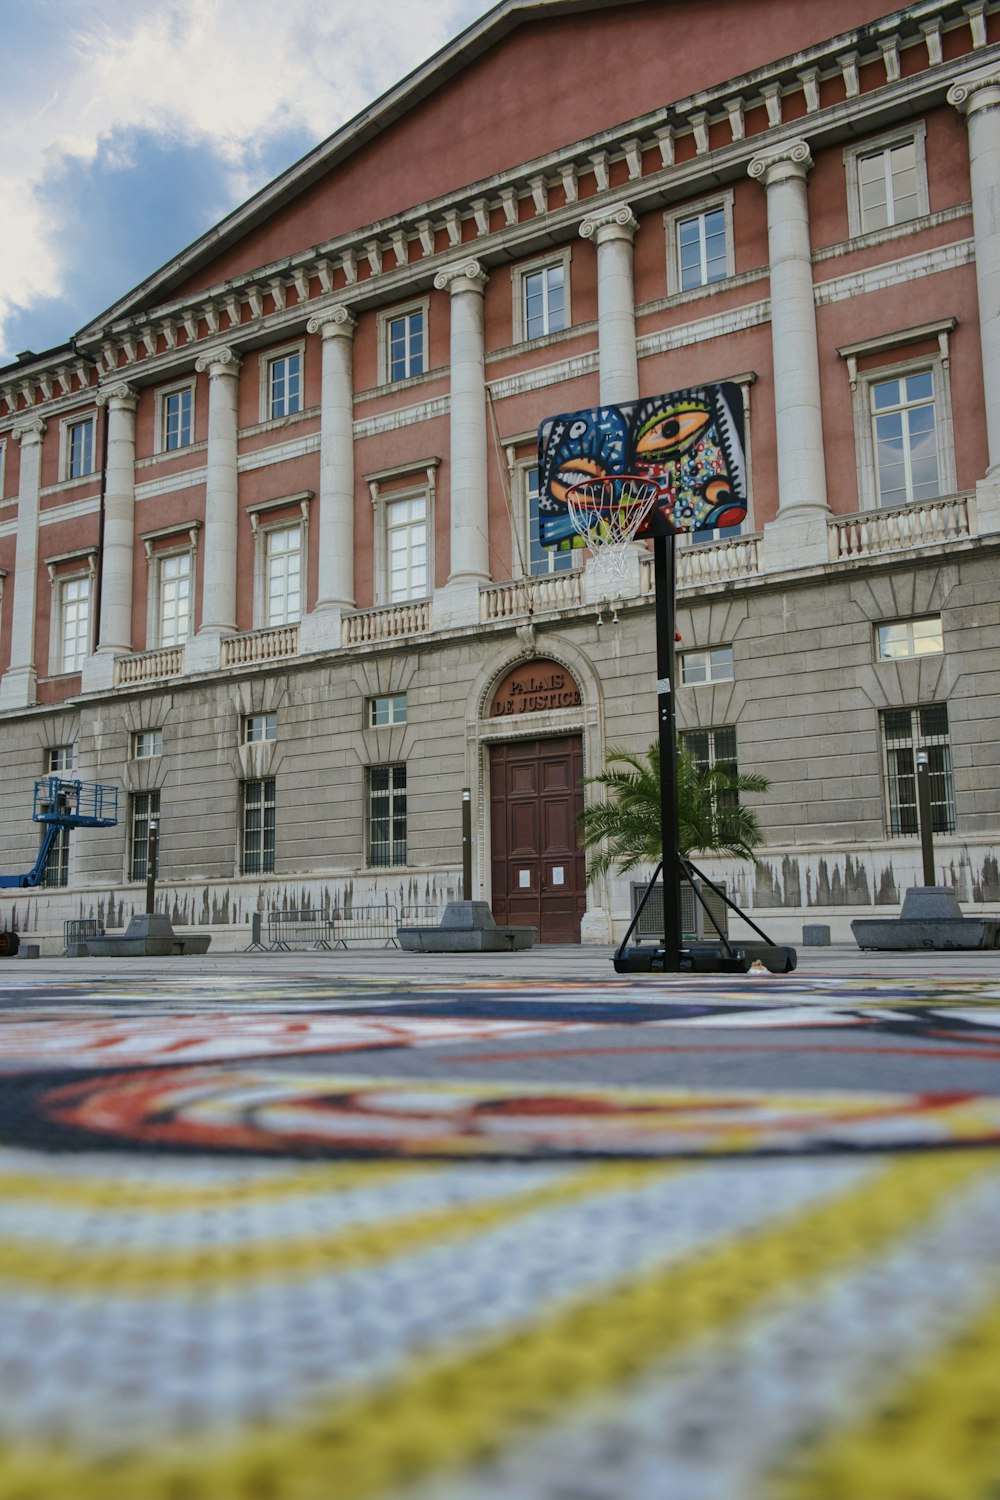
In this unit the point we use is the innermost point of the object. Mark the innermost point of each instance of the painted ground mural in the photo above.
(324, 1240)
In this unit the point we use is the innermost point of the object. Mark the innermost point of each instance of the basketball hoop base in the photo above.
(652, 959)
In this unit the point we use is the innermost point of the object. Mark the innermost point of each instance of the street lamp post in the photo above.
(924, 817)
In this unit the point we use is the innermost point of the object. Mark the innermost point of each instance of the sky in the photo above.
(129, 127)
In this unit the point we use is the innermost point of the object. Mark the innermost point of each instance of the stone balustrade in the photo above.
(388, 623)
(925, 523)
(149, 666)
(260, 646)
(708, 563)
(552, 591)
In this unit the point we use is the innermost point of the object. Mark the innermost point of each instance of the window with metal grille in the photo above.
(387, 815)
(257, 856)
(714, 747)
(904, 732)
(144, 808)
(58, 760)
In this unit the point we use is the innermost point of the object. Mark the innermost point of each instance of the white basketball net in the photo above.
(607, 514)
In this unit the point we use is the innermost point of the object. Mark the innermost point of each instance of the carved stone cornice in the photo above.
(219, 361)
(31, 430)
(615, 223)
(122, 394)
(976, 91)
(463, 276)
(789, 160)
(333, 322)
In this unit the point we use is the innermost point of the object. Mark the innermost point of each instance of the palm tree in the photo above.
(709, 813)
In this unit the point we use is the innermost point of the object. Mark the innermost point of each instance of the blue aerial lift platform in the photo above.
(63, 803)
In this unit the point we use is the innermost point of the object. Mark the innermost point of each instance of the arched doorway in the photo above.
(538, 868)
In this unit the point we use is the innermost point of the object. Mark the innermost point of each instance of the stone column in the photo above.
(321, 627)
(799, 534)
(458, 602)
(613, 231)
(978, 97)
(18, 686)
(114, 633)
(202, 652)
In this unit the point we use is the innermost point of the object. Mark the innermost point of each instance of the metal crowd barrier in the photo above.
(79, 929)
(299, 929)
(365, 924)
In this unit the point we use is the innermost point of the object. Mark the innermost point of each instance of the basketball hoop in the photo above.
(607, 513)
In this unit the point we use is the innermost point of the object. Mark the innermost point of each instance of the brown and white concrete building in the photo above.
(266, 529)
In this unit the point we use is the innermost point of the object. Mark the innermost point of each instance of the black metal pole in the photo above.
(466, 844)
(151, 869)
(663, 573)
(924, 815)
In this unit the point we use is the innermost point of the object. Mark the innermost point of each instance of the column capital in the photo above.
(789, 160)
(615, 223)
(463, 276)
(333, 322)
(220, 361)
(31, 430)
(976, 91)
(119, 395)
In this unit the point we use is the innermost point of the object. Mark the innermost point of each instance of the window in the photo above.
(387, 815)
(542, 560)
(173, 598)
(259, 727)
(388, 710)
(711, 747)
(904, 428)
(79, 455)
(3, 465)
(147, 743)
(406, 345)
(713, 665)
(406, 548)
(887, 181)
(175, 415)
(58, 759)
(904, 732)
(700, 244)
(902, 638)
(541, 297)
(73, 623)
(257, 856)
(144, 808)
(284, 384)
(282, 575)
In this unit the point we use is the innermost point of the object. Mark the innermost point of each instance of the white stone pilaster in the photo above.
(798, 536)
(458, 602)
(114, 632)
(977, 96)
(218, 600)
(19, 685)
(613, 231)
(321, 627)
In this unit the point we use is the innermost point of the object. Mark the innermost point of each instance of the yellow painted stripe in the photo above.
(442, 1415)
(128, 1194)
(197, 1268)
(936, 1437)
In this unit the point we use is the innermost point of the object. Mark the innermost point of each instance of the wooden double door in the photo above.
(538, 867)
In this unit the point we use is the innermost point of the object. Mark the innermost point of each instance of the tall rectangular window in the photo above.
(174, 599)
(80, 449)
(257, 856)
(543, 560)
(904, 426)
(406, 355)
(144, 808)
(387, 815)
(176, 418)
(74, 623)
(406, 548)
(283, 575)
(888, 185)
(712, 747)
(58, 760)
(544, 293)
(284, 385)
(702, 255)
(905, 731)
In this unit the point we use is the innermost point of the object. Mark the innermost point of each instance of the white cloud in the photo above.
(228, 74)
